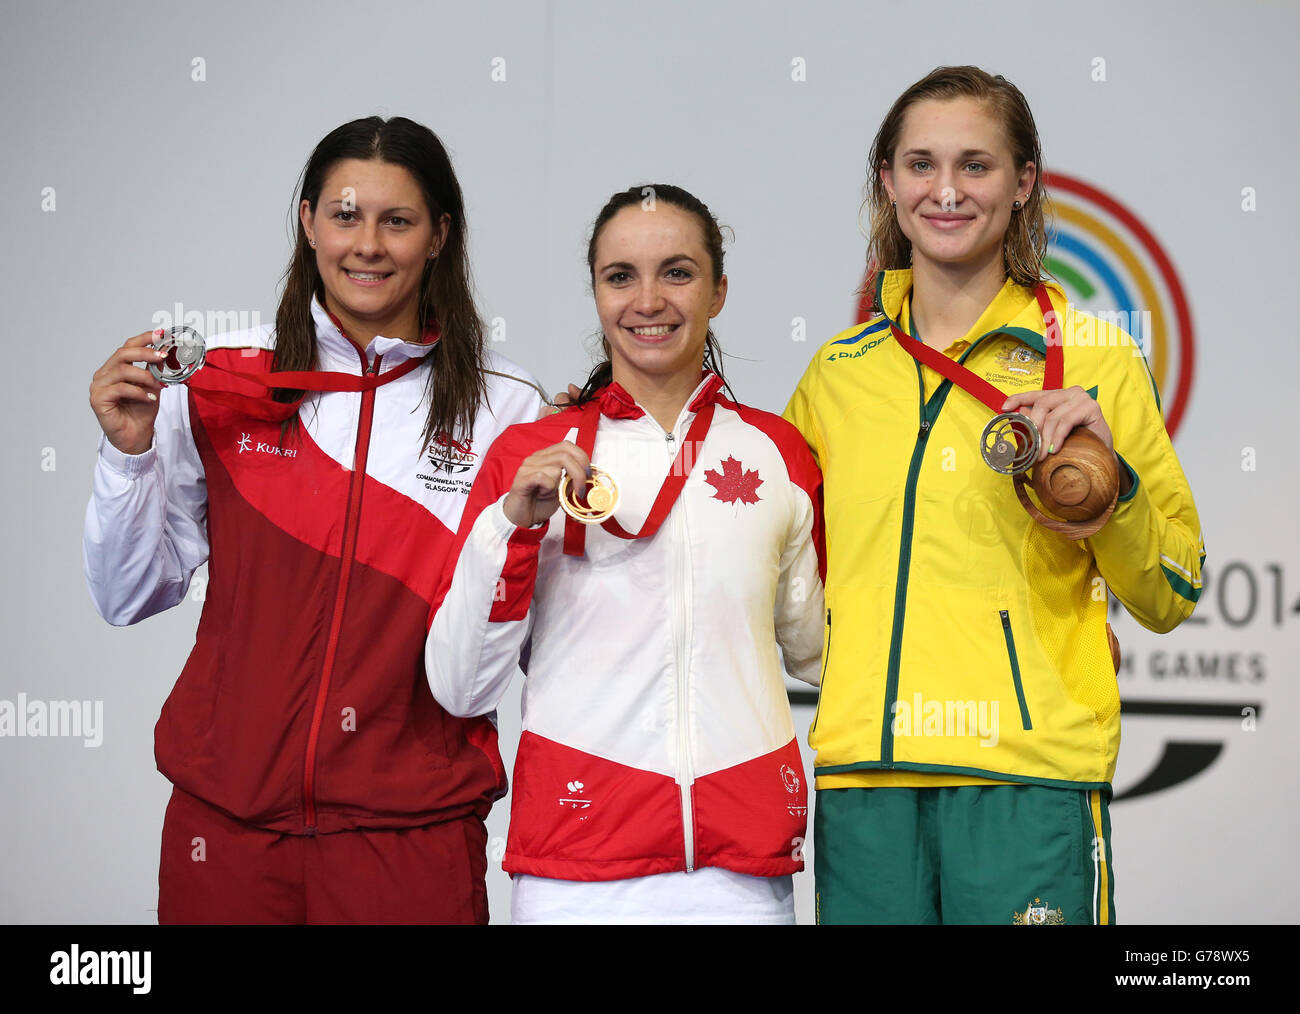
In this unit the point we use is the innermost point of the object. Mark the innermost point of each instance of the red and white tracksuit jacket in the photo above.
(657, 730)
(304, 705)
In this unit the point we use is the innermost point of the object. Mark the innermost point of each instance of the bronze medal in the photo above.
(1010, 443)
(1080, 481)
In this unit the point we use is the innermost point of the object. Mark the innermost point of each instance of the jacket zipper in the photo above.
(350, 525)
(681, 638)
(928, 414)
(826, 661)
(1015, 670)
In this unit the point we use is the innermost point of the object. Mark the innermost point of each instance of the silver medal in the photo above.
(185, 353)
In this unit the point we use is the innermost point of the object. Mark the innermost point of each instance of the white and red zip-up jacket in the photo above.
(657, 730)
(304, 704)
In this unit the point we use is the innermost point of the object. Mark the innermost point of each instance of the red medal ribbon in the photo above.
(972, 383)
(260, 406)
(575, 533)
(257, 403)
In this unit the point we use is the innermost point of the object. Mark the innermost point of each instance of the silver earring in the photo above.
(894, 204)
(311, 243)
(1015, 205)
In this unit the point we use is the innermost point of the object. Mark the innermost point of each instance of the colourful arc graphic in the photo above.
(1081, 237)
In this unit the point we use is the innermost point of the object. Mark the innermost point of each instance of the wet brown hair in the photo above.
(1025, 244)
(456, 383)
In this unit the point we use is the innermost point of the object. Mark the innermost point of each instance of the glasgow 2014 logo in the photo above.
(1112, 266)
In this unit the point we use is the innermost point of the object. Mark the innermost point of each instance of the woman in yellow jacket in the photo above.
(968, 725)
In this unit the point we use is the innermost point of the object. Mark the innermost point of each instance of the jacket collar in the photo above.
(1014, 310)
(616, 403)
(338, 352)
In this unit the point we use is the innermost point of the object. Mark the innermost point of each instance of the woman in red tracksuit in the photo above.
(320, 467)
(658, 778)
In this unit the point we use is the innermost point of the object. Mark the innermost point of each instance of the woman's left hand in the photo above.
(1057, 413)
(562, 401)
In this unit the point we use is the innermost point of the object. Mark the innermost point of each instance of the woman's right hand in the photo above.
(535, 493)
(124, 397)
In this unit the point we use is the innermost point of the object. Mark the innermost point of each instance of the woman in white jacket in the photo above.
(658, 778)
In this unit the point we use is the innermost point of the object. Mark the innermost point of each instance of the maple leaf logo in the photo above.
(733, 483)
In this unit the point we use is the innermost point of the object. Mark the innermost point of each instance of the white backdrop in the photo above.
(149, 156)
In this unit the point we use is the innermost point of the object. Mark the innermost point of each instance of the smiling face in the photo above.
(373, 235)
(655, 294)
(954, 180)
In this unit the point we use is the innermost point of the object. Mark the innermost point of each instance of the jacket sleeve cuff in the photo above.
(509, 532)
(1133, 479)
(1126, 536)
(129, 466)
(513, 591)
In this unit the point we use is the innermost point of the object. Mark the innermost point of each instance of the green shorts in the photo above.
(1021, 854)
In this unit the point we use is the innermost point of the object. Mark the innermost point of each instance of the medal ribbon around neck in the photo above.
(1014, 436)
(260, 406)
(575, 533)
(187, 358)
(973, 383)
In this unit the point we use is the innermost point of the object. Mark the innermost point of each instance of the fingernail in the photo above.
(1051, 449)
(152, 396)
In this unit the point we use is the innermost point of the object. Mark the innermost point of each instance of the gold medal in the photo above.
(594, 502)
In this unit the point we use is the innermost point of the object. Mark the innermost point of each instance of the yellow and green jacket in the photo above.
(964, 643)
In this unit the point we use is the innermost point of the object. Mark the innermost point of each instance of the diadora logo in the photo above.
(861, 350)
(450, 455)
(246, 443)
